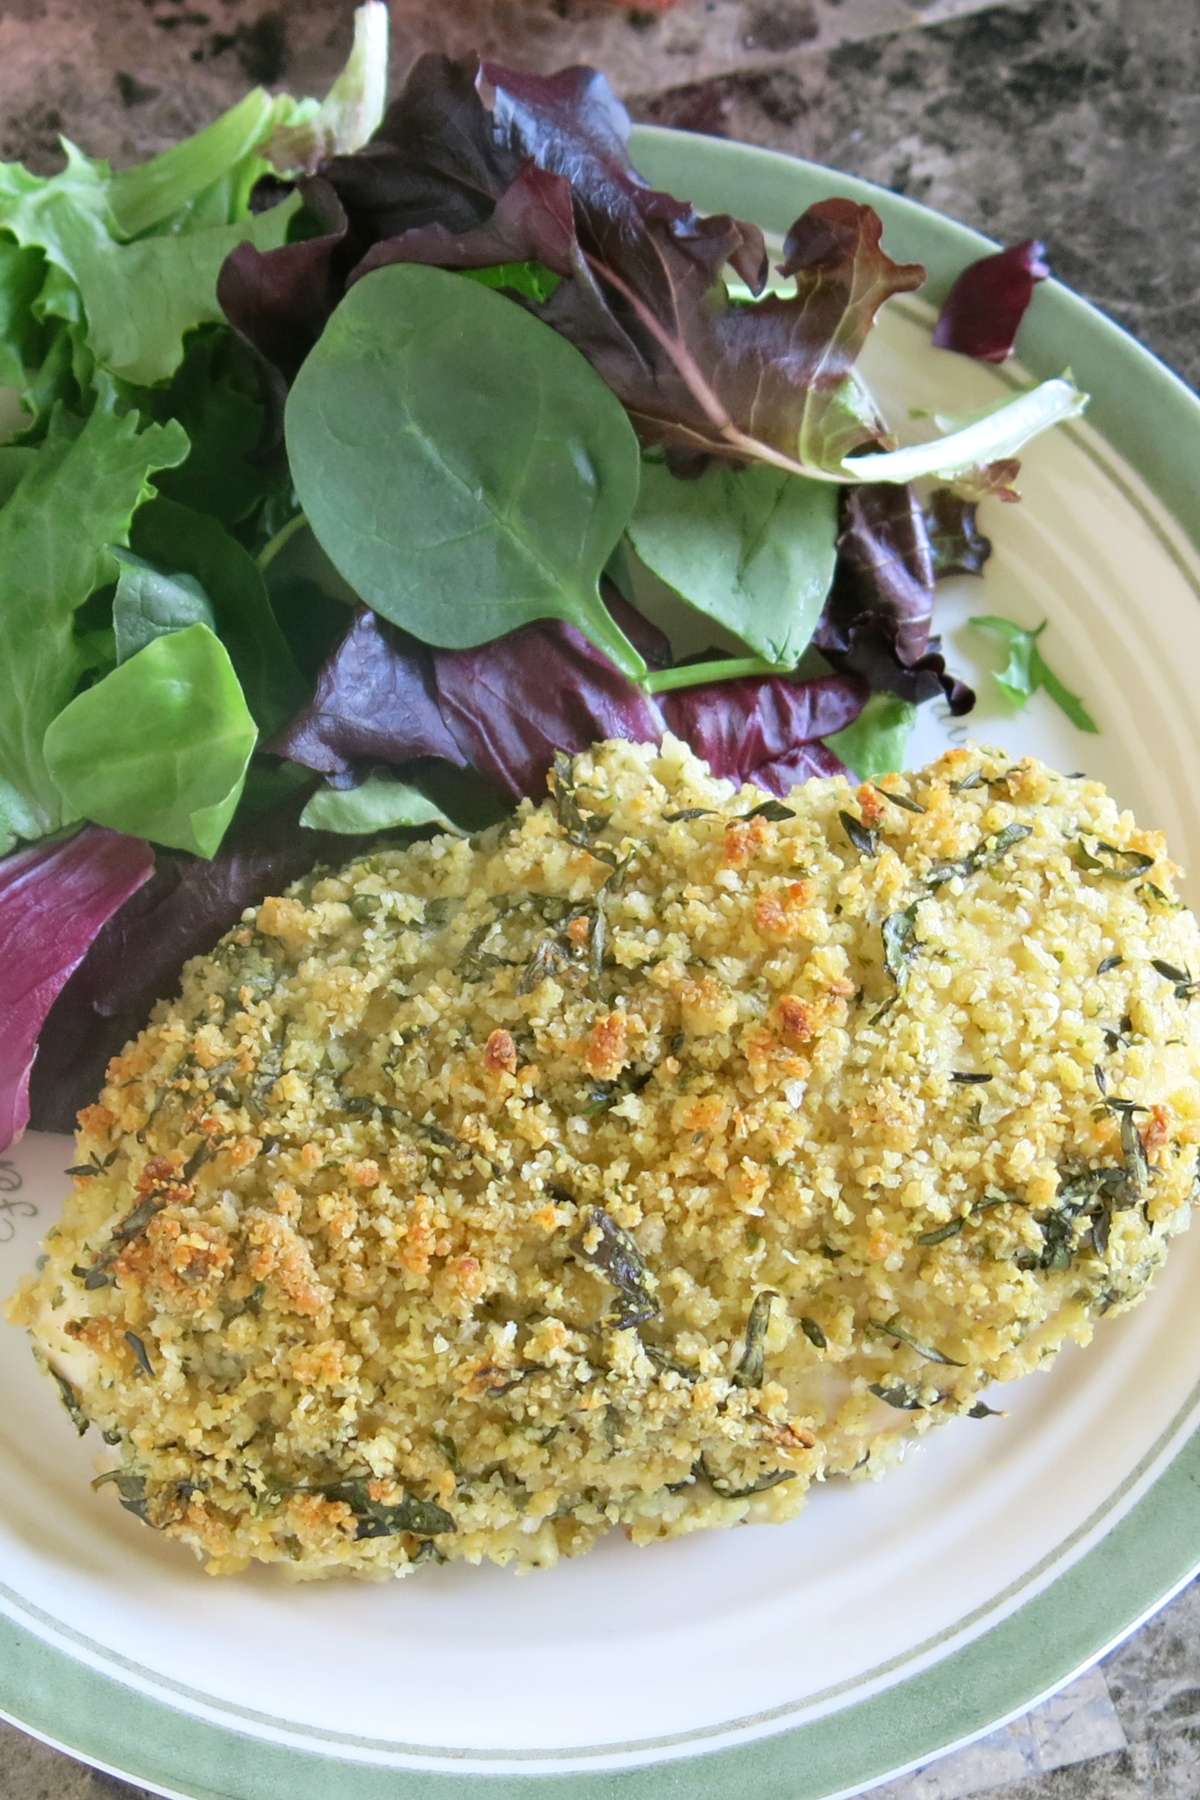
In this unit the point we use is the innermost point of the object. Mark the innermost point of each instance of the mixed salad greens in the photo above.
(355, 461)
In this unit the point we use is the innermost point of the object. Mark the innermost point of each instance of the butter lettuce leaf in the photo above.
(74, 501)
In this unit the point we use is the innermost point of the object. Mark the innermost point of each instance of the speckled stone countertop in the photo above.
(1077, 121)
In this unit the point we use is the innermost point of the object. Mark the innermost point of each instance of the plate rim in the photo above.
(1147, 414)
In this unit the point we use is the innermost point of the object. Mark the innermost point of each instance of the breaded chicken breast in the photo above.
(635, 1164)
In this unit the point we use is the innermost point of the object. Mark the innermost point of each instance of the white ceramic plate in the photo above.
(888, 1621)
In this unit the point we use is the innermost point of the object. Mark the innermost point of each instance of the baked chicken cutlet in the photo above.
(635, 1164)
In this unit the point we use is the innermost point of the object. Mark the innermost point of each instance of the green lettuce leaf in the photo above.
(150, 603)
(72, 503)
(137, 300)
(351, 110)
(160, 747)
(149, 193)
(991, 437)
(877, 742)
(380, 803)
(1027, 670)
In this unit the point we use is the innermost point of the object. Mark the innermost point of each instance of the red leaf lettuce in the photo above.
(54, 899)
(984, 308)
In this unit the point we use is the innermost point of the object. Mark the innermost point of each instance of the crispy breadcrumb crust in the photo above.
(634, 1164)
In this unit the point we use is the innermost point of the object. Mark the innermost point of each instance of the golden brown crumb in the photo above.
(482, 1196)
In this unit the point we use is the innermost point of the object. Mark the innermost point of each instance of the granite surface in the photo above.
(1074, 120)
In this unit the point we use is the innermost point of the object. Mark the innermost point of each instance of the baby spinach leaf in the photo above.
(217, 395)
(1027, 669)
(380, 803)
(160, 747)
(148, 604)
(461, 519)
(876, 742)
(174, 537)
(71, 504)
(753, 549)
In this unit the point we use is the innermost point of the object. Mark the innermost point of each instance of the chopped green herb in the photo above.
(130, 1227)
(203, 1153)
(942, 1233)
(772, 1479)
(813, 1333)
(619, 1260)
(1109, 962)
(131, 1491)
(663, 1362)
(1137, 1169)
(905, 801)
(774, 810)
(896, 1395)
(1109, 860)
(597, 943)
(1155, 897)
(966, 1079)
(981, 1411)
(866, 842)
(424, 1518)
(1185, 983)
(94, 1165)
(566, 800)
(139, 1351)
(749, 1372)
(445, 1140)
(899, 943)
(989, 850)
(973, 780)
(895, 1330)
(70, 1400)
(690, 812)
(548, 959)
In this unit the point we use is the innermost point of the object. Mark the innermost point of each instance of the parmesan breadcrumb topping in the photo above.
(635, 1164)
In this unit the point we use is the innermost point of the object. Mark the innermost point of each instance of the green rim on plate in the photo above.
(1148, 416)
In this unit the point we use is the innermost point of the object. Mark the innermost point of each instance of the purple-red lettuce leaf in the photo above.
(468, 170)
(279, 300)
(513, 703)
(768, 381)
(55, 898)
(503, 708)
(765, 728)
(878, 619)
(375, 701)
(533, 221)
(458, 133)
(456, 140)
(956, 544)
(136, 956)
(983, 310)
